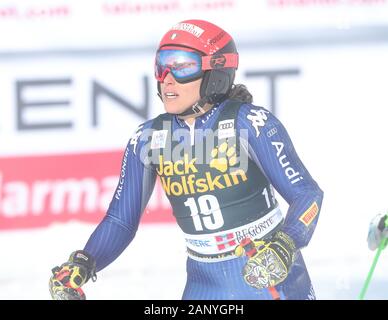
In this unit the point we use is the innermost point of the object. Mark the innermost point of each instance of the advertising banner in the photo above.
(136, 24)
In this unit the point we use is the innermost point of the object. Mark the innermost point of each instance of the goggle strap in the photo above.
(226, 60)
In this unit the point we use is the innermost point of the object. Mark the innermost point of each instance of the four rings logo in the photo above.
(217, 61)
(271, 132)
(226, 129)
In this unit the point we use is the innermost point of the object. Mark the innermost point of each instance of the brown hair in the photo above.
(240, 92)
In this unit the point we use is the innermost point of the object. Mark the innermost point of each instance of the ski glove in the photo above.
(269, 261)
(66, 281)
(377, 231)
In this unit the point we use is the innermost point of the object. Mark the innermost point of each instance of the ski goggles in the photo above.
(187, 66)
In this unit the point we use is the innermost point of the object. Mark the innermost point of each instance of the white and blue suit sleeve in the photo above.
(119, 226)
(272, 150)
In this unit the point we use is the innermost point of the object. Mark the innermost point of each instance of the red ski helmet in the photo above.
(218, 51)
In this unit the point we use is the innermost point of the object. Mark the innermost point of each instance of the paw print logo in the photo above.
(223, 157)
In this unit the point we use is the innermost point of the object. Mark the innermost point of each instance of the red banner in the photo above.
(36, 191)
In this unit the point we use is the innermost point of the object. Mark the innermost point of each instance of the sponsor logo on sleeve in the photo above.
(272, 132)
(292, 175)
(135, 138)
(258, 119)
(309, 215)
(120, 186)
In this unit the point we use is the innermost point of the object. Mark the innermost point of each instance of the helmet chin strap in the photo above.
(196, 108)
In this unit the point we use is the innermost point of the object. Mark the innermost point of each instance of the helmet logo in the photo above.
(217, 61)
(173, 36)
(217, 38)
(190, 28)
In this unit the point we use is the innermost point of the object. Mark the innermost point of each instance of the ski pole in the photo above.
(382, 245)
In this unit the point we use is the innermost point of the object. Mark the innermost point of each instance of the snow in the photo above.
(153, 266)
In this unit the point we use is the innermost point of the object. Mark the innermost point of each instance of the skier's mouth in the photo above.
(171, 95)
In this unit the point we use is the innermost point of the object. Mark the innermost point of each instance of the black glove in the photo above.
(66, 281)
(269, 261)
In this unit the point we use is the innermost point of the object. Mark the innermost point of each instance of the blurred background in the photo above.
(76, 79)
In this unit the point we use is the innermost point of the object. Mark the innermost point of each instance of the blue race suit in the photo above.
(213, 271)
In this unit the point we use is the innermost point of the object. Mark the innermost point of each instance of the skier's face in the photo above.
(178, 97)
